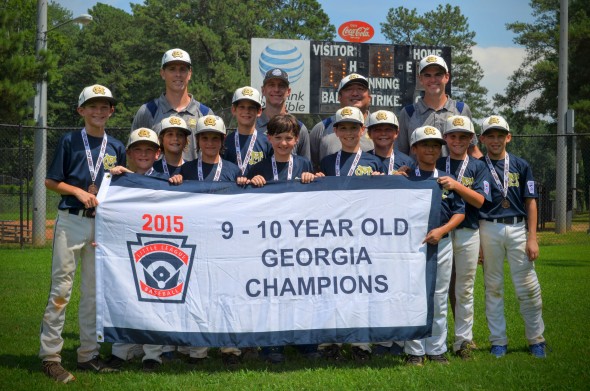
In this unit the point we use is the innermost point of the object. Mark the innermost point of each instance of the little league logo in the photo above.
(161, 267)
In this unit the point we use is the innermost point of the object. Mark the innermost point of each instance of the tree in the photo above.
(445, 26)
(537, 76)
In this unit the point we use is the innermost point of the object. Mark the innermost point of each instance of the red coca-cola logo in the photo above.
(356, 31)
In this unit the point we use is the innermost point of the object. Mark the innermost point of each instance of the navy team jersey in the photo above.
(159, 168)
(366, 166)
(262, 149)
(521, 185)
(300, 165)
(190, 171)
(399, 159)
(70, 166)
(451, 202)
(476, 177)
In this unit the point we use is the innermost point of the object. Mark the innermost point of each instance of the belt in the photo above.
(82, 212)
(507, 220)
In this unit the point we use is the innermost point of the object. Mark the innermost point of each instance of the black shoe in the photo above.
(332, 353)
(464, 351)
(197, 360)
(380, 350)
(150, 365)
(359, 354)
(230, 360)
(249, 354)
(115, 362)
(96, 365)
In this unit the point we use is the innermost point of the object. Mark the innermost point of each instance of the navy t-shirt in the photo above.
(399, 159)
(69, 164)
(477, 178)
(262, 149)
(159, 167)
(521, 185)
(451, 202)
(300, 165)
(190, 171)
(366, 166)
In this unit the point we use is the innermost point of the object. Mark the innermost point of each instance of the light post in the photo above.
(40, 139)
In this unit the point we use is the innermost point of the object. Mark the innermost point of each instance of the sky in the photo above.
(495, 51)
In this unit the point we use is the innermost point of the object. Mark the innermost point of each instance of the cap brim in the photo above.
(495, 128)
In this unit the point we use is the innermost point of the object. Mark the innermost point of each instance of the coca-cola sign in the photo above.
(356, 31)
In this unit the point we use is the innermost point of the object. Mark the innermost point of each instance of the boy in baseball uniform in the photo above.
(508, 230)
(426, 143)
(80, 161)
(473, 185)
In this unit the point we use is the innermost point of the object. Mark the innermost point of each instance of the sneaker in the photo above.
(249, 354)
(115, 362)
(312, 356)
(96, 365)
(416, 361)
(438, 358)
(464, 351)
(275, 358)
(538, 350)
(150, 365)
(471, 344)
(197, 360)
(380, 350)
(230, 360)
(359, 354)
(499, 350)
(54, 370)
(332, 352)
(168, 357)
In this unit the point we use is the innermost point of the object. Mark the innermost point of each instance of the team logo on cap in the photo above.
(192, 122)
(247, 91)
(210, 120)
(353, 76)
(494, 120)
(429, 130)
(99, 90)
(277, 72)
(431, 59)
(381, 115)
(176, 54)
(458, 122)
(175, 121)
(346, 112)
(161, 267)
(143, 133)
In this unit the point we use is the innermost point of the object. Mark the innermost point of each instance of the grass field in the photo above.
(564, 271)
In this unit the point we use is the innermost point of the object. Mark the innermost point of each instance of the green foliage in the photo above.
(444, 26)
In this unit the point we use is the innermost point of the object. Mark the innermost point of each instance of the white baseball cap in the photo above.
(174, 122)
(176, 55)
(248, 93)
(353, 78)
(382, 117)
(426, 133)
(349, 114)
(432, 60)
(210, 123)
(459, 123)
(494, 122)
(143, 134)
(94, 92)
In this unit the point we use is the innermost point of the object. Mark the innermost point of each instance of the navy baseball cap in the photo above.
(276, 73)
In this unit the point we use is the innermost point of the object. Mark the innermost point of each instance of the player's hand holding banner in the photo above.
(214, 264)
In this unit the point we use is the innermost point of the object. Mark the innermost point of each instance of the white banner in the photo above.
(215, 264)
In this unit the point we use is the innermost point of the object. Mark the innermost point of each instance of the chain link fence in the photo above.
(17, 179)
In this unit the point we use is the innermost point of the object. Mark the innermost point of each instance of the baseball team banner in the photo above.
(216, 264)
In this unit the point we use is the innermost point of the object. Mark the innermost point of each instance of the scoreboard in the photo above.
(315, 69)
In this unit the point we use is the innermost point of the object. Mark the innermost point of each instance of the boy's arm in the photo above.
(436, 234)
(258, 181)
(470, 196)
(532, 247)
(118, 170)
(89, 200)
(175, 179)
(307, 177)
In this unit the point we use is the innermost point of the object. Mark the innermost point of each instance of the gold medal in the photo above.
(93, 189)
(505, 203)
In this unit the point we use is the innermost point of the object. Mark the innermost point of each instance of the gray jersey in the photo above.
(161, 109)
(302, 147)
(423, 116)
